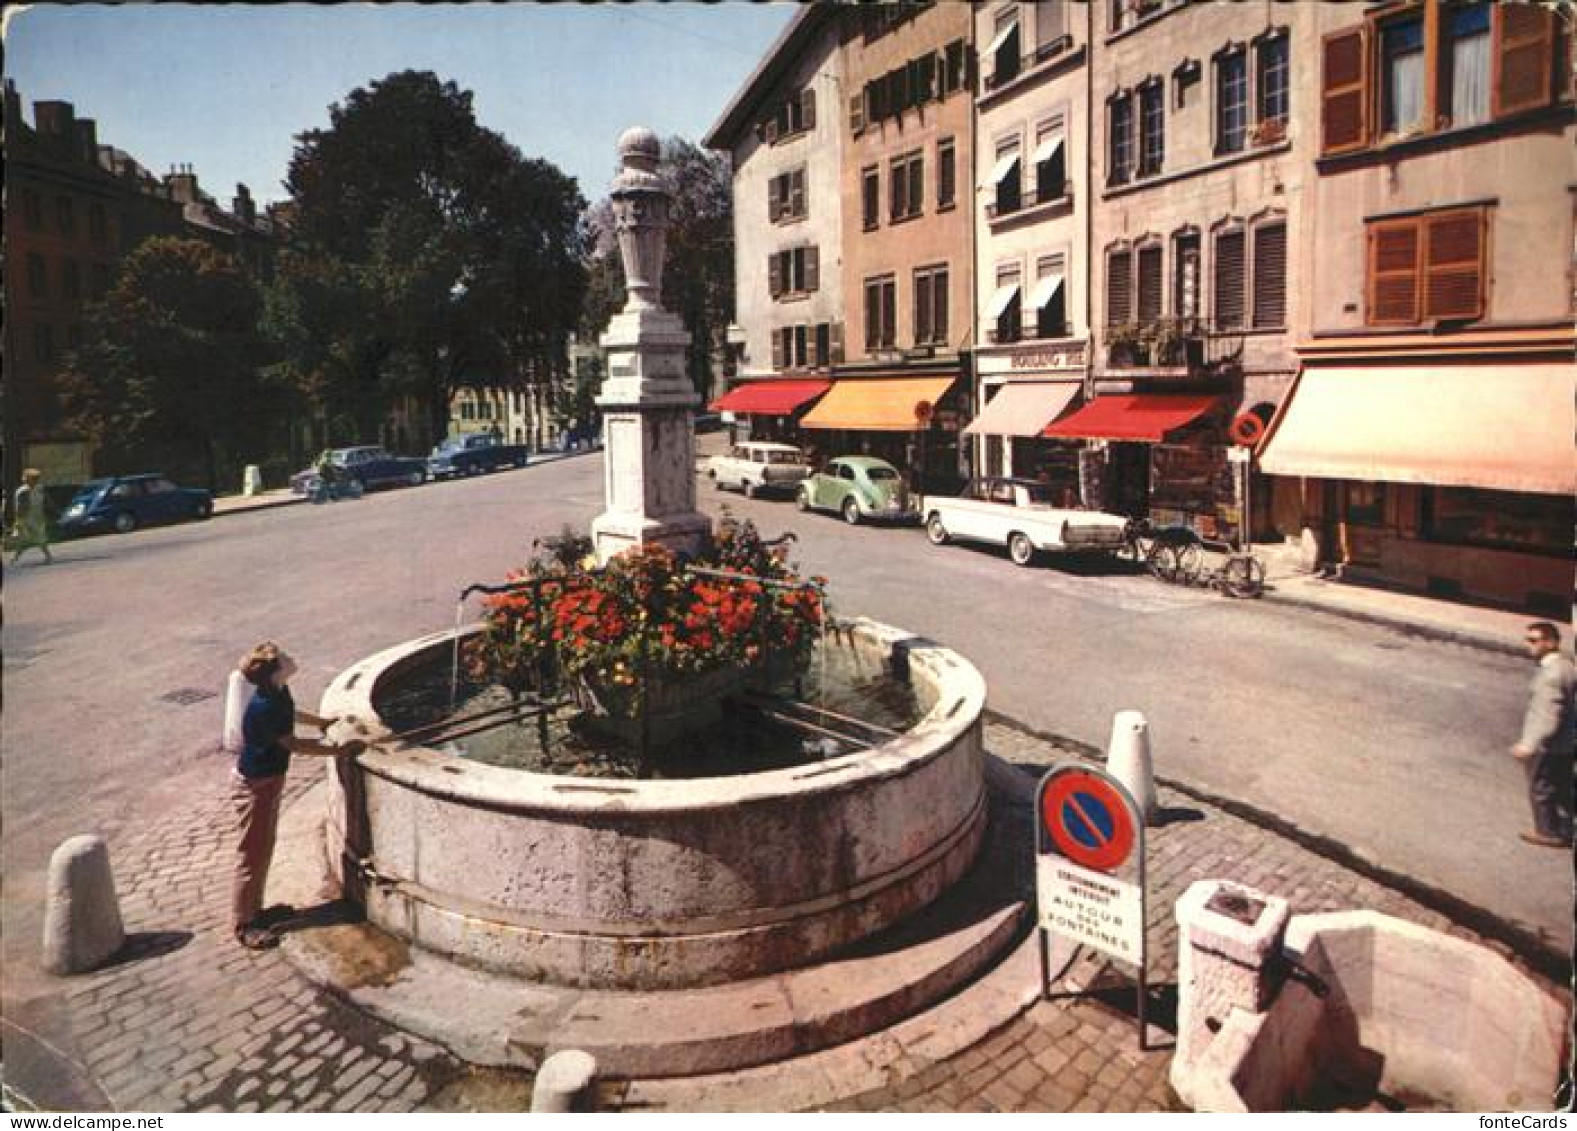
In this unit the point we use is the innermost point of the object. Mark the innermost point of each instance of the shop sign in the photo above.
(1047, 357)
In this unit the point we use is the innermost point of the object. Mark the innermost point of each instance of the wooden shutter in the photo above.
(922, 308)
(812, 268)
(835, 337)
(1454, 265)
(1270, 275)
(873, 316)
(857, 114)
(777, 350)
(939, 301)
(889, 312)
(774, 198)
(1230, 280)
(807, 109)
(769, 130)
(797, 193)
(813, 357)
(916, 184)
(1524, 46)
(1344, 91)
(1119, 288)
(774, 274)
(1149, 284)
(1394, 255)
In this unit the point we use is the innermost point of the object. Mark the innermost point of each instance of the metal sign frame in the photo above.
(1045, 845)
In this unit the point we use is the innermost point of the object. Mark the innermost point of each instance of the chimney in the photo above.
(182, 183)
(54, 119)
(88, 140)
(242, 206)
(13, 107)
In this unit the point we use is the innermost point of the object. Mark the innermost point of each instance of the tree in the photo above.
(169, 367)
(466, 254)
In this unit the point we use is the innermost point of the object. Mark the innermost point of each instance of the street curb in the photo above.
(1397, 623)
(1544, 957)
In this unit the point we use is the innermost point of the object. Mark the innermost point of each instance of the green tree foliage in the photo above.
(463, 257)
(168, 374)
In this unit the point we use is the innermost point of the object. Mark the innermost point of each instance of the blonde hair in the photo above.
(31, 476)
(259, 665)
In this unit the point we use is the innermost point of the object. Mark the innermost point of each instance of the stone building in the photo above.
(1203, 141)
(1032, 202)
(1428, 441)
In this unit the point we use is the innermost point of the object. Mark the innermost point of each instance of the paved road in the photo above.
(1390, 745)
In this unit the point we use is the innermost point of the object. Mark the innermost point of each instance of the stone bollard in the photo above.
(565, 1082)
(252, 480)
(82, 924)
(1128, 760)
(1229, 945)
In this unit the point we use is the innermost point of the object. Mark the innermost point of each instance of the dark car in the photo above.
(124, 502)
(369, 466)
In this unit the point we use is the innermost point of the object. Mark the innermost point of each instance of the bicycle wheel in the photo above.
(1158, 558)
(1190, 562)
(1243, 576)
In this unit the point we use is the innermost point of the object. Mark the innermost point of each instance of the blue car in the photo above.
(122, 503)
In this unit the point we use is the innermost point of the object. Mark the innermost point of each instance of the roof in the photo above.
(767, 446)
(866, 462)
(737, 116)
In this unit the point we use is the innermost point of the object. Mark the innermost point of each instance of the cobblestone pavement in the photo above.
(187, 1021)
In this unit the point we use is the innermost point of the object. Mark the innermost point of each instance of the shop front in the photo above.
(769, 408)
(1023, 388)
(1453, 478)
(912, 422)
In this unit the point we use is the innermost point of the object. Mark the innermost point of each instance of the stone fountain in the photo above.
(668, 927)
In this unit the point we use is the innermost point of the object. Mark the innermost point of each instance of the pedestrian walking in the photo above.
(1549, 734)
(268, 740)
(32, 524)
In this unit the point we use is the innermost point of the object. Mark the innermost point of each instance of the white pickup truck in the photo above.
(759, 465)
(1018, 514)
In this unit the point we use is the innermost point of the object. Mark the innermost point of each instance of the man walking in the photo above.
(1549, 734)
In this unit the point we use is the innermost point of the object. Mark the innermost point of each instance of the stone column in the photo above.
(647, 401)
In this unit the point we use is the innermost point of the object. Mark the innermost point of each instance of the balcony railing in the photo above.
(1031, 198)
(1027, 63)
(1169, 343)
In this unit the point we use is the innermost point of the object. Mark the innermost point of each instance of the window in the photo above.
(823, 345)
(1006, 175)
(946, 174)
(794, 272)
(70, 279)
(881, 313)
(907, 185)
(930, 306)
(98, 227)
(786, 196)
(43, 343)
(1185, 275)
(915, 82)
(1004, 49)
(37, 276)
(1152, 136)
(1050, 297)
(795, 115)
(1229, 279)
(1231, 101)
(1050, 17)
(1006, 310)
(954, 64)
(871, 196)
(1467, 65)
(1402, 75)
(65, 216)
(1051, 162)
(1427, 268)
(1270, 275)
(1271, 80)
(1119, 287)
(1119, 161)
(32, 210)
(1150, 289)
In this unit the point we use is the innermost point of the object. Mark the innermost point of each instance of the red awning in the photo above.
(770, 398)
(1132, 416)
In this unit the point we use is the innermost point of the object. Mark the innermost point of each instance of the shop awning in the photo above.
(1044, 289)
(1147, 417)
(769, 398)
(1503, 427)
(877, 404)
(1023, 409)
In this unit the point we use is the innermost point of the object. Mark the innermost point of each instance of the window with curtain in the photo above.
(1152, 128)
(1469, 61)
(1119, 164)
(1231, 101)
(1402, 76)
(1273, 73)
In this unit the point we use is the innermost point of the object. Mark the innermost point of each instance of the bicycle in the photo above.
(1241, 574)
(1168, 552)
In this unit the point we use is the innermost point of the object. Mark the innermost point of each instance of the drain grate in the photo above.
(186, 696)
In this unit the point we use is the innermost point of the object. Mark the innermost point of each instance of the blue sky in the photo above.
(225, 88)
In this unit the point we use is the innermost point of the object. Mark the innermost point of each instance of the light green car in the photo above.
(858, 488)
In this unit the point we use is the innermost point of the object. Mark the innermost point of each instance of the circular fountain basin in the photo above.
(635, 884)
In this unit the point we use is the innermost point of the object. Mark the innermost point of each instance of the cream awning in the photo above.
(1047, 149)
(1506, 427)
(1000, 300)
(1003, 32)
(1044, 289)
(1023, 409)
(1003, 167)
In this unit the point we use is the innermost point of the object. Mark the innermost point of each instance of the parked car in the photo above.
(122, 503)
(858, 488)
(473, 455)
(759, 465)
(1019, 514)
(370, 466)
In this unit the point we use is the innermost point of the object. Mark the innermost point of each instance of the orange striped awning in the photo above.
(878, 404)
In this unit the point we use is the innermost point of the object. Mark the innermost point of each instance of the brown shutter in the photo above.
(873, 316)
(1270, 275)
(1344, 91)
(939, 301)
(922, 309)
(812, 268)
(1454, 265)
(813, 358)
(1524, 57)
(835, 334)
(857, 114)
(774, 274)
(1394, 256)
(774, 200)
(769, 130)
(1119, 288)
(1230, 280)
(797, 203)
(889, 312)
(1149, 284)
(777, 350)
(807, 109)
(916, 185)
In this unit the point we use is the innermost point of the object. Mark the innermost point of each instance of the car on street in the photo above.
(122, 503)
(859, 488)
(473, 455)
(1019, 514)
(370, 466)
(759, 465)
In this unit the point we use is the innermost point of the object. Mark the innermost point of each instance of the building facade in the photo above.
(1428, 443)
(1031, 216)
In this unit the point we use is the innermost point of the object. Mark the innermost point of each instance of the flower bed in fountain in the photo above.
(650, 645)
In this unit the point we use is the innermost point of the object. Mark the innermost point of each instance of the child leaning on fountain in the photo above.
(268, 739)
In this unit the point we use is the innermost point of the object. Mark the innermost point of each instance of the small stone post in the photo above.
(82, 924)
(565, 1082)
(1128, 760)
(1230, 938)
(252, 480)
